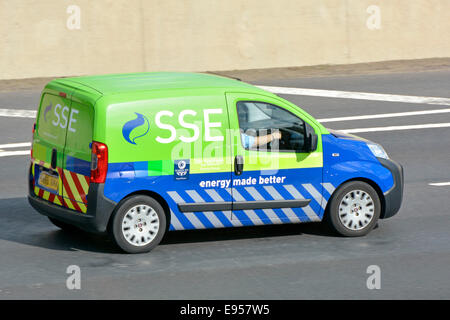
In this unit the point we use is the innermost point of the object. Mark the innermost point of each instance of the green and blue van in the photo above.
(137, 155)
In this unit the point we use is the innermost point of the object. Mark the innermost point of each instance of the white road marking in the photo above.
(385, 115)
(396, 128)
(15, 145)
(357, 95)
(14, 153)
(17, 113)
(440, 184)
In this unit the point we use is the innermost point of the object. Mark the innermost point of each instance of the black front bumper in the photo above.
(393, 197)
(95, 219)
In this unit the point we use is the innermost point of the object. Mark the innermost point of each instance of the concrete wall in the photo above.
(201, 35)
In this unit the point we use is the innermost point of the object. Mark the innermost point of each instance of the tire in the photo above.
(133, 235)
(350, 212)
(63, 226)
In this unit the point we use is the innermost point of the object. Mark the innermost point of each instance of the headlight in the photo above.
(378, 150)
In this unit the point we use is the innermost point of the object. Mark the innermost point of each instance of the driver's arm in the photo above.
(262, 140)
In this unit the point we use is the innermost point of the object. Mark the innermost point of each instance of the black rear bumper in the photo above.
(95, 219)
(393, 197)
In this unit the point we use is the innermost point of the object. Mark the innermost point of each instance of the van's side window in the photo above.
(266, 127)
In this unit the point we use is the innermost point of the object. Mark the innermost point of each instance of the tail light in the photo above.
(32, 138)
(99, 162)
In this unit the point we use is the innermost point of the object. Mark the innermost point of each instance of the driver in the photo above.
(250, 142)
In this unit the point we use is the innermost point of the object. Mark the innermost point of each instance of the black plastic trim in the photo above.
(205, 206)
(95, 219)
(270, 204)
(393, 197)
(242, 205)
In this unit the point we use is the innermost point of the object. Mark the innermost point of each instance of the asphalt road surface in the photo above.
(305, 261)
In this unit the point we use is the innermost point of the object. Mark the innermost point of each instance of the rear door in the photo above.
(48, 145)
(77, 152)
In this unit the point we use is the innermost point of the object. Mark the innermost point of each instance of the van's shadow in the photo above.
(22, 224)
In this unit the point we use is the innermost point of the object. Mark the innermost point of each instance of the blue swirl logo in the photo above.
(135, 128)
(47, 110)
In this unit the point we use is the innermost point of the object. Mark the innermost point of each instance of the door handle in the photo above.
(238, 165)
(53, 163)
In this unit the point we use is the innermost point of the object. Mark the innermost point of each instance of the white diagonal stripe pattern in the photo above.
(315, 194)
(329, 187)
(208, 214)
(277, 196)
(216, 197)
(238, 197)
(175, 222)
(297, 195)
(257, 196)
(193, 219)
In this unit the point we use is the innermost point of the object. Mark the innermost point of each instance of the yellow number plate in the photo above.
(48, 181)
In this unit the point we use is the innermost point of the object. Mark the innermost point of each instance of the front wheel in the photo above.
(354, 209)
(138, 224)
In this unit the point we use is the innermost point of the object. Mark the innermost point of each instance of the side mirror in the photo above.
(312, 142)
(311, 139)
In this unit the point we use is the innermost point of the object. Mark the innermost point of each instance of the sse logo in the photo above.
(47, 110)
(63, 118)
(187, 119)
(135, 128)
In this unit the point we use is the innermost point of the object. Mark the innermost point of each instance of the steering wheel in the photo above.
(282, 142)
(285, 138)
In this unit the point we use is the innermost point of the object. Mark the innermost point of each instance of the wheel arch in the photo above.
(372, 183)
(153, 195)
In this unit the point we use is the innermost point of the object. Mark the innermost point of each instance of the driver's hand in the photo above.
(276, 135)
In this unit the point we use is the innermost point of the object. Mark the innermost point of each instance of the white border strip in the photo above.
(15, 145)
(357, 95)
(396, 128)
(440, 184)
(14, 153)
(385, 115)
(18, 113)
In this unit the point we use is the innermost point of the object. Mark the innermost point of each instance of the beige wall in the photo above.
(201, 35)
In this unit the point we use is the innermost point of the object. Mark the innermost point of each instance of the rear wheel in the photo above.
(138, 224)
(354, 209)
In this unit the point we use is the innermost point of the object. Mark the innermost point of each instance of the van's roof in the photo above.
(148, 81)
